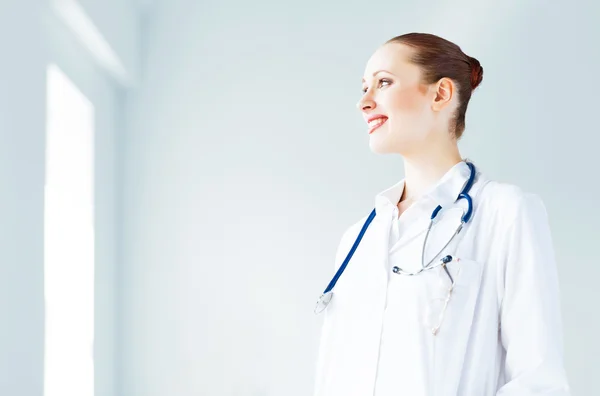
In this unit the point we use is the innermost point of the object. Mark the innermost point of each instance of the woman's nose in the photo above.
(365, 103)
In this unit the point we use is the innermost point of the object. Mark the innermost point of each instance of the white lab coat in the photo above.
(501, 333)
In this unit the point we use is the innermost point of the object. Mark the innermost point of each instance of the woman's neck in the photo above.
(425, 171)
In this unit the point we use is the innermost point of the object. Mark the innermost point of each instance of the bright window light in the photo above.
(69, 240)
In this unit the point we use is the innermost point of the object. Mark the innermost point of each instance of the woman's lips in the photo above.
(376, 123)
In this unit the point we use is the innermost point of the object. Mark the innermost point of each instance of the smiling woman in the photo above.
(400, 81)
(435, 300)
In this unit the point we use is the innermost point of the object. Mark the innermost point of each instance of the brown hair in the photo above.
(438, 58)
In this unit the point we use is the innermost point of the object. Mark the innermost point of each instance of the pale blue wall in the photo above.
(22, 134)
(245, 160)
(30, 38)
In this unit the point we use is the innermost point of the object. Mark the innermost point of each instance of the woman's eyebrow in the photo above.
(377, 72)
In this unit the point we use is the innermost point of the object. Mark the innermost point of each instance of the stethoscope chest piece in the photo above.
(323, 301)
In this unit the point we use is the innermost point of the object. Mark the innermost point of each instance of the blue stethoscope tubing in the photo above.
(327, 295)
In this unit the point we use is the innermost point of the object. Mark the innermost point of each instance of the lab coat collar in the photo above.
(444, 192)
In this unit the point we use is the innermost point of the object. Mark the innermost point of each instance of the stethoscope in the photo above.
(327, 295)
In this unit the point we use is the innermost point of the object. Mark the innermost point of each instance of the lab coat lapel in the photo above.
(382, 241)
(444, 193)
(417, 229)
(376, 256)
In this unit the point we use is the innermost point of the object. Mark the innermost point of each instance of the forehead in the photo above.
(394, 58)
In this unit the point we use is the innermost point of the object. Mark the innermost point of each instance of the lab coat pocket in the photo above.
(449, 321)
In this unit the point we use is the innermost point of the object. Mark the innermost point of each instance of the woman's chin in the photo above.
(380, 147)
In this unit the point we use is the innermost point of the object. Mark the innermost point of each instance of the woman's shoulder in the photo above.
(509, 199)
(349, 236)
(356, 226)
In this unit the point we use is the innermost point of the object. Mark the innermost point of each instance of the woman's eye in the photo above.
(381, 82)
(384, 80)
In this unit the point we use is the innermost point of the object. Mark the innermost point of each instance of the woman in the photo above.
(412, 314)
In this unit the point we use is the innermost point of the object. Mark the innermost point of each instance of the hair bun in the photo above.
(476, 72)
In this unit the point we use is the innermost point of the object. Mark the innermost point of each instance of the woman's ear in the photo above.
(443, 94)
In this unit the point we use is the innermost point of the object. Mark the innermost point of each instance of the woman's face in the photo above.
(395, 105)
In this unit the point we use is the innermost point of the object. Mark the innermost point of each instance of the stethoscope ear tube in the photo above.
(467, 216)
